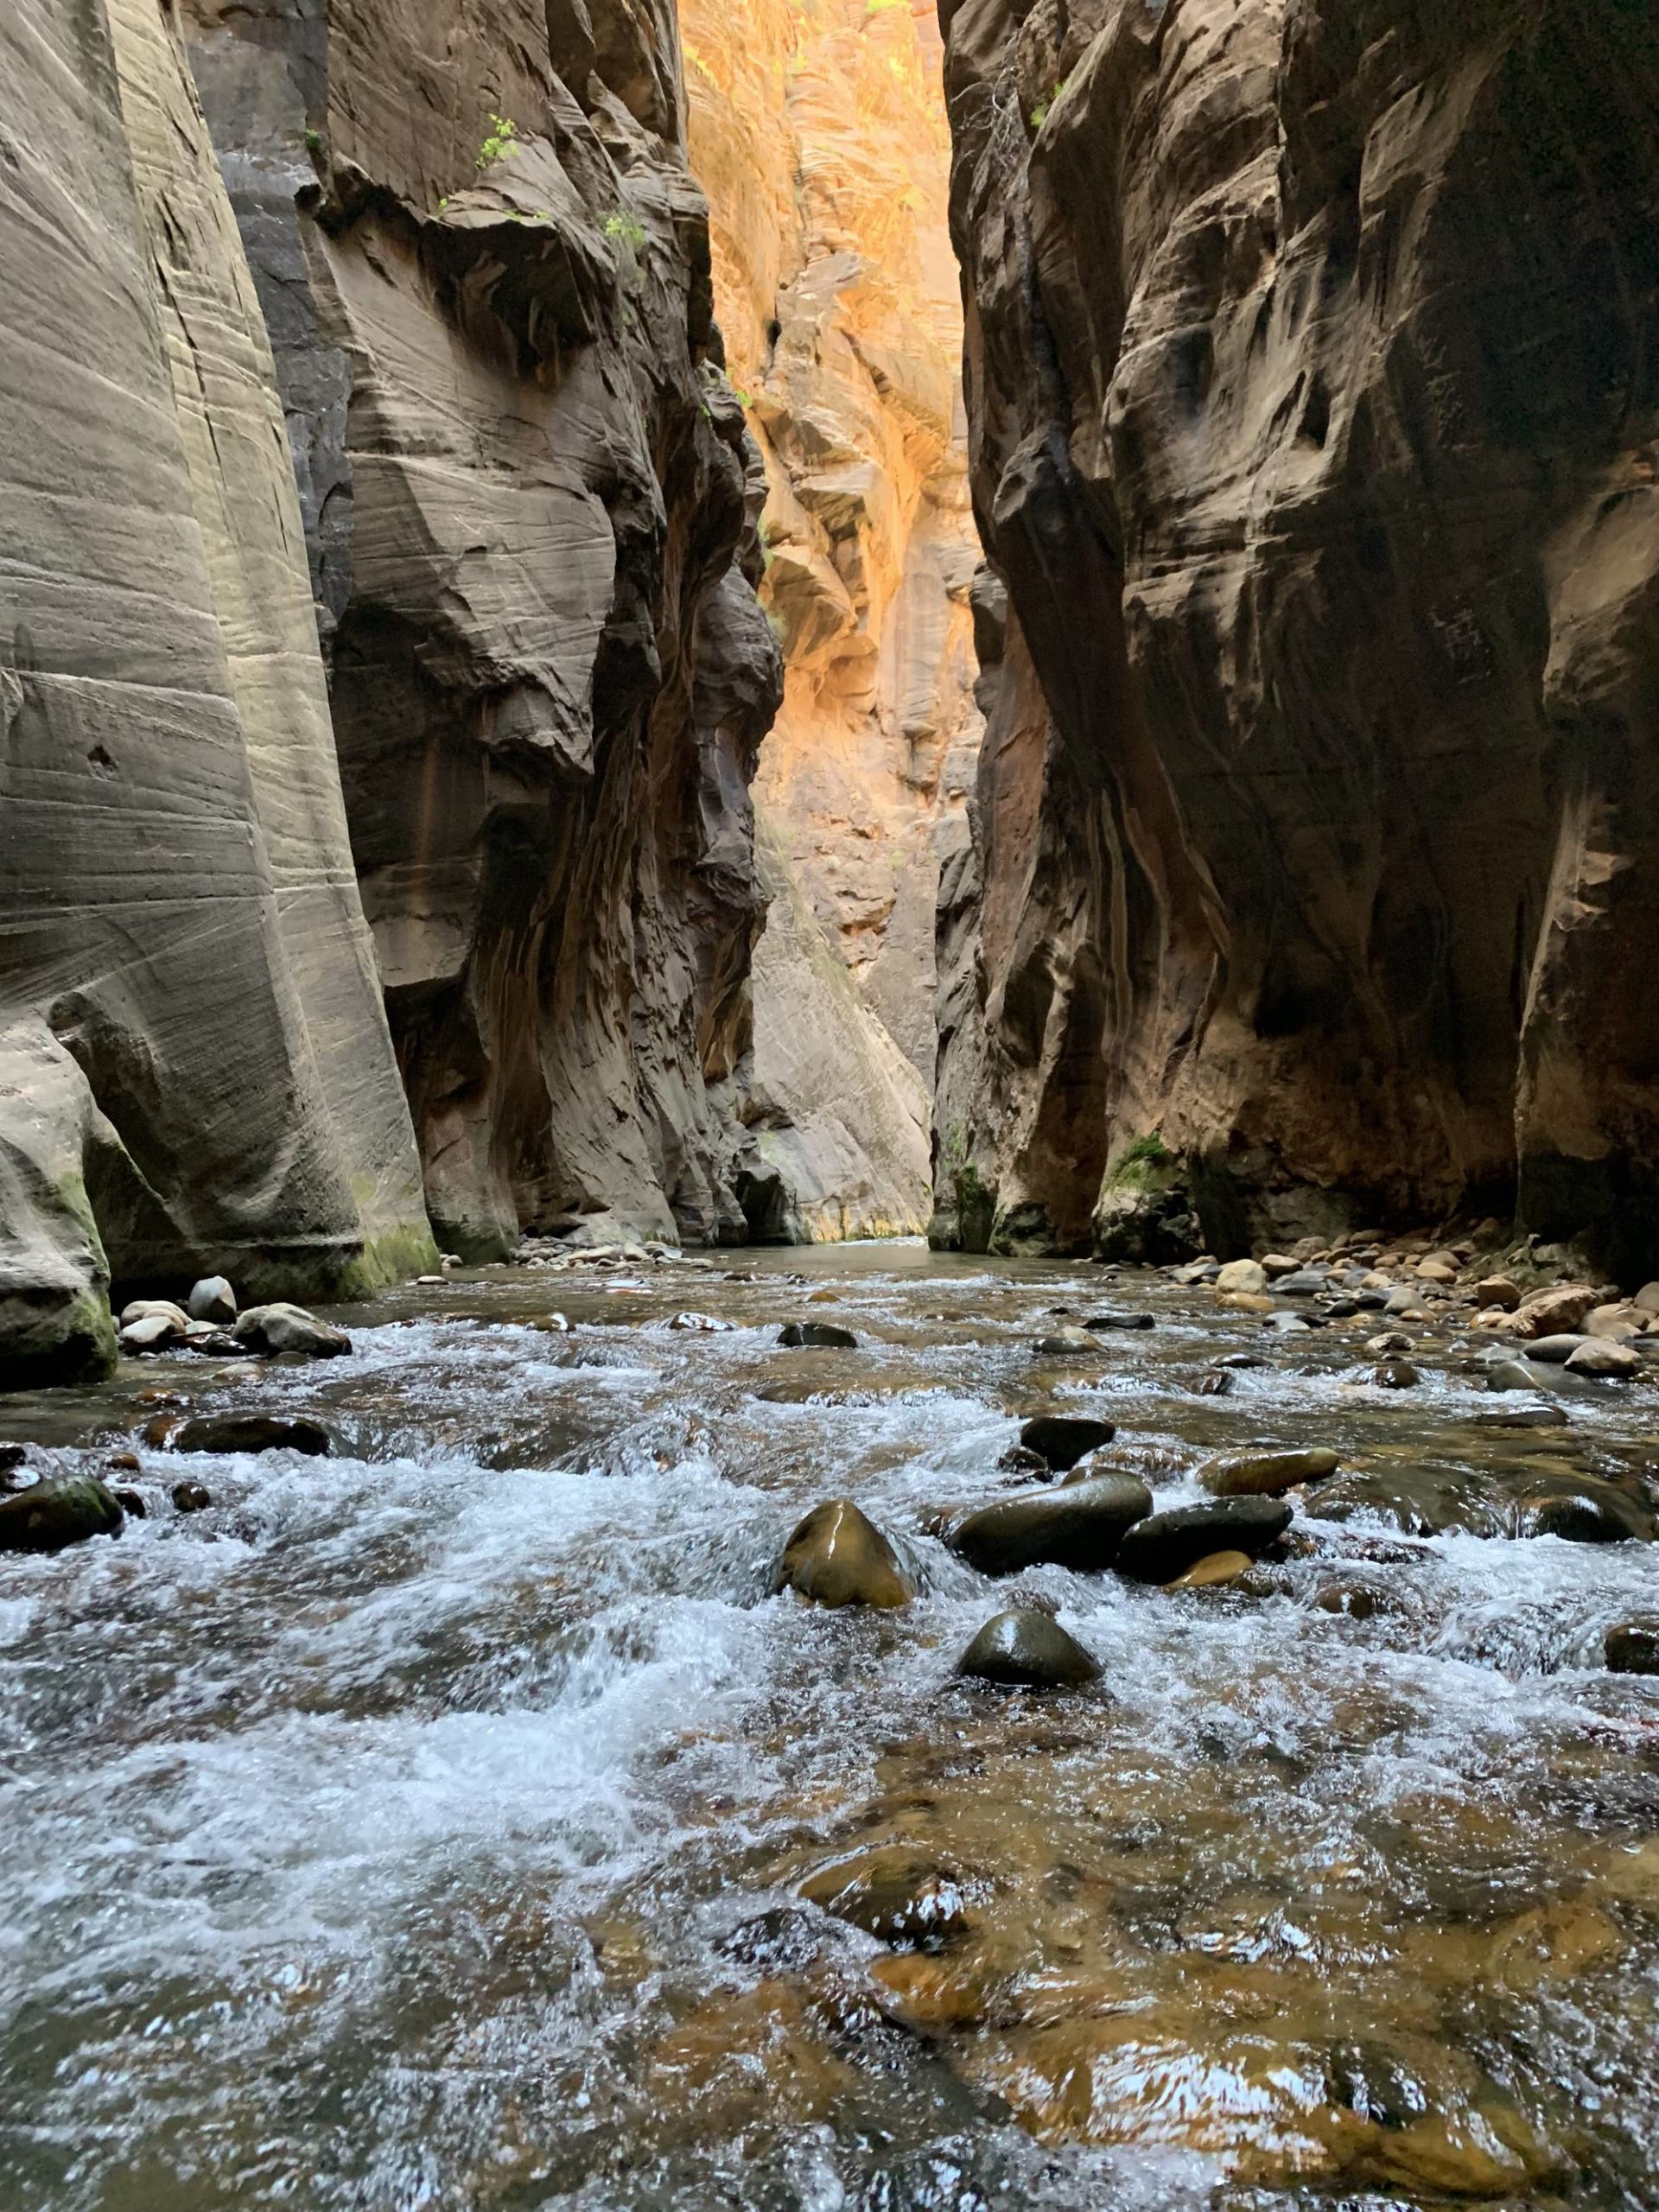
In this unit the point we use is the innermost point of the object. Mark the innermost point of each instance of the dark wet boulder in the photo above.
(1027, 1650)
(1586, 1514)
(1523, 1417)
(1265, 1474)
(1078, 1525)
(63, 1510)
(1102, 1322)
(1063, 1343)
(1396, 1374)
(820, 1336)
(1417, 1501)
(1061, 1440)
(1556, 1351)
(1019, 1460)
(897, 1894)
(1163, 1547)
(252, 1433)
(1632, 1649)
(838, 1557)
(191, 1497)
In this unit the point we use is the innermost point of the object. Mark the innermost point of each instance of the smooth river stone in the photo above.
(1027, 1649)
(1078, 1525)
(838, 1557)
(1164, 1547)
(253, 1433)
(56, 1514)
(1265, 1474)
(1061, 1440)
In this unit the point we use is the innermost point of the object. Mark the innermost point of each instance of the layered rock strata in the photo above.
(197, 1073)
(1313, 402)
(529, 501)
(818, 132)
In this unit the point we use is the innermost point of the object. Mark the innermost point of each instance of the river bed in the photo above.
(428, 1826)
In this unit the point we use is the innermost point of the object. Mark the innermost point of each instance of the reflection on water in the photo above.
(453, 1822)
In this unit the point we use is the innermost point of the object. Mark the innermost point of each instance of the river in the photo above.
(427, 1826)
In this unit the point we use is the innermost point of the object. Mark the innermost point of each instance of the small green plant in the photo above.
(312, 142)
(624, 231)
(443, 204)
(499, 142)
(1040, 113)
(1149, 1151)
(739, 395)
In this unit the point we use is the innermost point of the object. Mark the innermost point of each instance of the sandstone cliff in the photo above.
(818, 132)
(197, 1073)
(486, 269)
(1312, 399)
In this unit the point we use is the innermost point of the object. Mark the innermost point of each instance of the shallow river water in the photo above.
(427, 1826)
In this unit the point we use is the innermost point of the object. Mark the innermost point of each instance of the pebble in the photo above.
(1061, 1440)
(1027, 1650)
(1407, 1304)
(838, 1557)
(191, 1497)
(1396, 1374)
(1079, 1526)
(1265, 1474)
(211, 1299)
(1306, 1282)
(816, 1336)
(1164, 1546)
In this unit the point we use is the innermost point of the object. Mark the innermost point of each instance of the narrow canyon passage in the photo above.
(463, 1820)
(875, 778)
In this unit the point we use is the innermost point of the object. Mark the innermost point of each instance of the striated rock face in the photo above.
(818, 132)
(529, 502)
(195, 1074)
(1312, 405)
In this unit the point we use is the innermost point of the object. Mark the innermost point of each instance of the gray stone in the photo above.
(211, 1299)
(290, 1329)
(1244, 1277)
(1556, 1351)
(1613, 1363)
(1078, 1525)
(1027, 1650)
(1065, 1343)
(151, 1332)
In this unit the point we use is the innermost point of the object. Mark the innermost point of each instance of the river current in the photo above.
(428, 1826)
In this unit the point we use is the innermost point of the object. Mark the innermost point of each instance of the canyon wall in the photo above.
(530, 506)
(1313, 400)
(196, 1072)
(817, 129)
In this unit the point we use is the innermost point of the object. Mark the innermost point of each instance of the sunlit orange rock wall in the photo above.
(817, 130)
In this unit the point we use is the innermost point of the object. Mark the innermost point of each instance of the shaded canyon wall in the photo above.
(529, 502)
(817, 129)
(1313, 398)
(195, 1071)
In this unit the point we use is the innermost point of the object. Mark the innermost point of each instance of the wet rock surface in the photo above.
(1080, 1525)
(1331, 1900)
(1027, 1650)
(1061, 1440)
(1166, 1545)
(838, 1557)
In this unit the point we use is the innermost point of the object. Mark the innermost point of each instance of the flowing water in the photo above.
(428, 1826)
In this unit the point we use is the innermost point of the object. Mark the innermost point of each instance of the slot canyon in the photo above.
(828, 1173)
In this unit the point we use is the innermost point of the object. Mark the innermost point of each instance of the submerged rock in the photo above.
(1027, 1650)
(1059, 1341)
(191, 1497)
(63, 1510)
(1601, 1516)
(1078, 1525)
(1265, 1474)
(1396, 1374)
(252, 1433)
(1061, 1440)
(1166, 1545)
(838, 1557)
(1632, 1649)
(897, 1894)
(283, 1328)
(825, 1336)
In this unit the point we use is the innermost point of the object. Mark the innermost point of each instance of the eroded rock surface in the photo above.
(198, 1069)
(528, 503)
(818, 132)
(1312, 406)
